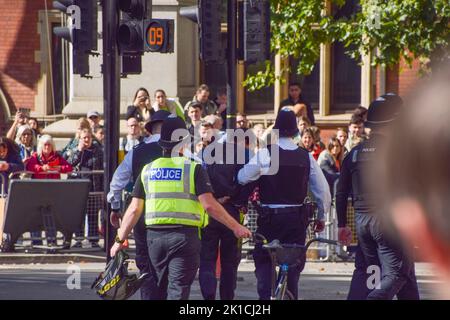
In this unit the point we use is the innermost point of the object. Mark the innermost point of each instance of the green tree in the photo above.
(389, 29)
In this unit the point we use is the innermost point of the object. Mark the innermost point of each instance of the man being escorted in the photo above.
(176, 192)
(282, 214)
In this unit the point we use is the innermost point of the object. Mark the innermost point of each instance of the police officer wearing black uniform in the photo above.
(282, 214)
(376, 249)
(215, 236)
(129, 169)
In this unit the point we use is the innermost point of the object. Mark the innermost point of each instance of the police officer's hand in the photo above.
(345, 236)
(114, 218)
(115, 248)
(319, 225)
(242, 232)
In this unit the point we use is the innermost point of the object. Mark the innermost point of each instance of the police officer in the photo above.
(398, 276)
(127, 171)
(282, 193)
(216, 237)
(176, 192)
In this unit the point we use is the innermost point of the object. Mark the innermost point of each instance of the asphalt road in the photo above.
(323, 281)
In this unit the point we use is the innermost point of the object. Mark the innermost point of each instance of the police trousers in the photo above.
(148, 288)
(218, 238)
(288, 227)
(397, 269)
(175, 255)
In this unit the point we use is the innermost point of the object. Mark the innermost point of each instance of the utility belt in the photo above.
(306, 209)
(267, 210)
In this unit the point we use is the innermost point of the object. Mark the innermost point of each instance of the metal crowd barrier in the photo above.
(320, 252)
(93, 221)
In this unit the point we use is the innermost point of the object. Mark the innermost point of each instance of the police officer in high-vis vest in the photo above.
(284, 173)
(177, 195)
(127, 173)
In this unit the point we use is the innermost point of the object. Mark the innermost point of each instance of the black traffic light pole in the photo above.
(111, 107)
(231, 64)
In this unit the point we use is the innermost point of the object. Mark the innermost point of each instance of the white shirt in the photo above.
(260, 165)
(123, 174)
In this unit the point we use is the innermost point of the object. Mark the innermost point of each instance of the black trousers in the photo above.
(148, 288)
(175, 255)
(397, 269)
(214, 237)
(289, 227)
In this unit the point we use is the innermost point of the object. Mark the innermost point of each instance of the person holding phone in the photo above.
(141, 108)
(20, 119)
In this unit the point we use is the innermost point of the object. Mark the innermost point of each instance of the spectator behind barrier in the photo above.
(94, 119)
(47, 159)
(34, 125)
(133, 137)
(10, 160)
(195, 117)
(162, 103)
(330, 161)
(99, 134)
(20, 119)
(307, 140)
(202, 97)
(141, 108)
(355, 132)
(82, 123)
(88, 157)
(303, 123)
(26, 142)
(342, 136)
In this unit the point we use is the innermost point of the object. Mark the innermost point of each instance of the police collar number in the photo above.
(165, 174)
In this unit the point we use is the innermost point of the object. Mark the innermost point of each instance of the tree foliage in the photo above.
(390, 29)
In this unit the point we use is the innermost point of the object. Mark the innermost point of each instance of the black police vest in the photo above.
(363, 159)
(143, 154)
(290, 184)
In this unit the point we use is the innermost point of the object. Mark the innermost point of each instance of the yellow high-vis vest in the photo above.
(170, 193)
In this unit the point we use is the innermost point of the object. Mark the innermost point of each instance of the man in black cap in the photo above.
(283, 214)
(376, 251)
(128, 172)
(176, 192)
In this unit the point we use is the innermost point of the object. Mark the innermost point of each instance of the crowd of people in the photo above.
(302, 152)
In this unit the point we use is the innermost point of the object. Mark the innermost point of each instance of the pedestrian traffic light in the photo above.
(81, 31)
(130, 34)
(207, 15)
(159, 35)
(255, 31)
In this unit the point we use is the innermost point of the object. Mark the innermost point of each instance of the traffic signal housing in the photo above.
(81, 31)
(207, 14)
(255, 30)
(130, 34)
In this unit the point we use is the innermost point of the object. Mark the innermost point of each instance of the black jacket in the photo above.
(357, 172)
(88, 160)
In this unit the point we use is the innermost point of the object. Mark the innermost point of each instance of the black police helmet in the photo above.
(383, 110)
(286, 123)
(158, 116)
(115, 283)
(173, 124)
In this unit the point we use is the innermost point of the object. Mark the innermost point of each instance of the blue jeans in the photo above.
(397, 270)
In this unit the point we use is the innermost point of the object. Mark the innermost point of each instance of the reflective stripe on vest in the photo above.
(170, 193)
